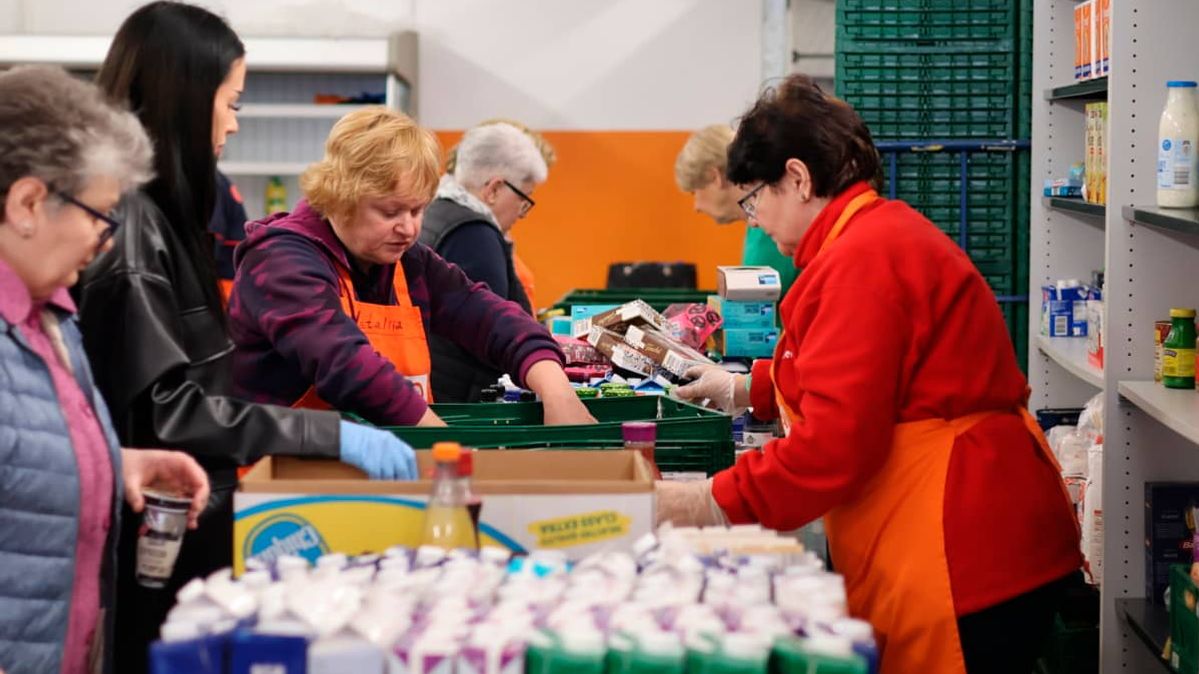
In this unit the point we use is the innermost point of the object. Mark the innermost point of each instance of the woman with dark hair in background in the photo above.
(903, 405)
(153, 319)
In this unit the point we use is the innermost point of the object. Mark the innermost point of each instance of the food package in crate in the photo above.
(613, 346)
(692, 323)
(619, 319)
(674, 356)
(579, 352)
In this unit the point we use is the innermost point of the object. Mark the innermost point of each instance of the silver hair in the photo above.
(58, 128)
(498, 151)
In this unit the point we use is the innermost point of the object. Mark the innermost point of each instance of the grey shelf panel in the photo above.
(1151, 624)
(1091, 89)
(1075, 206)
(1181, 220)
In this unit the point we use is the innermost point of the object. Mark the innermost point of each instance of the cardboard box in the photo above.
(621, 354)
(618, 319)
(1084, 39)
(1079, 41)
(748, 284)
(747, 343)
(1169, 530)
(580, 502)
(743, 315)
(674, 356)
(1064, 311)
(1104, 12)
(692, 323)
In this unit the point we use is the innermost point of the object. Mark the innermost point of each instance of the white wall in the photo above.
(554, 64)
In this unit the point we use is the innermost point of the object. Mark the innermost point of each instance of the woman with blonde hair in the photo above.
(333, 303)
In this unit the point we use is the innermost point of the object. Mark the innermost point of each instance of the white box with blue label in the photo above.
(748, 284)
(580, 502)
(747, 343)
(736, 315)
(1064, 311)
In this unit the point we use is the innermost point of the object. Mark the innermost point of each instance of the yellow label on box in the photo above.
(310, 526)
(592, 527)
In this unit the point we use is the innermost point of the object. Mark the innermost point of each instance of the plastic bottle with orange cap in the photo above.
(451, 516)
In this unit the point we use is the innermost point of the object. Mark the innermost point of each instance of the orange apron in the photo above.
(525, 275)
(396, 332)
(889, 543)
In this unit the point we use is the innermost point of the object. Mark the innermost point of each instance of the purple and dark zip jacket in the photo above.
(290, 331)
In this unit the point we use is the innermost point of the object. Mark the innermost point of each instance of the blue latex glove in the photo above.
(379, 454)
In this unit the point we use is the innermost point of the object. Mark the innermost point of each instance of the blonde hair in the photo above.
(369, 153)
(543, 145)
(705, 149)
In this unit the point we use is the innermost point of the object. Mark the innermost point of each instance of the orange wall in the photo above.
(611, 197)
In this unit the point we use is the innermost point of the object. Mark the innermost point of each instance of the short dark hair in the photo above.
(798, 120)
(166, 63)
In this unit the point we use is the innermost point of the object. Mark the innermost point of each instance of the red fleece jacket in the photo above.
(893, 323)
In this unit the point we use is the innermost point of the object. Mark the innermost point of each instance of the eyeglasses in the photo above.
(749, 202)
(108, 220)
(528, 202)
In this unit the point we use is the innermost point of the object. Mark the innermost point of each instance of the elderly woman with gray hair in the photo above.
(66, 156)
(496, 169)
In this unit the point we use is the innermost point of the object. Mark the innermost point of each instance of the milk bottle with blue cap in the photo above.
(1177, 159)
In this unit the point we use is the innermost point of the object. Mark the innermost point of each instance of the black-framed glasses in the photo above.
(112, 224)
(528, 201)
(749, 202)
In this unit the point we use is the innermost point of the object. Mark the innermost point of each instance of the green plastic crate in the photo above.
(925, 20)
(918, 91)
(658, 298)
(1184, 623)
(690, 438)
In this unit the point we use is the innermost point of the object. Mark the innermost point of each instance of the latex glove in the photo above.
(173, 472)
(379, 454)
(712, 383)
(687, 504)
(565, 410)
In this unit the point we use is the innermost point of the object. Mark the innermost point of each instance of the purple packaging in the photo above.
(493, 654)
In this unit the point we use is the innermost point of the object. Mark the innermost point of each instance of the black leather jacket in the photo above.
(161, 357)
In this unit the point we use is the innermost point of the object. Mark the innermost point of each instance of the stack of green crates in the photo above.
(658, 298)
(920, 70)
(690, 439)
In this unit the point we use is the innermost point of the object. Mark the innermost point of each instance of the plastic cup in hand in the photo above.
(164, 521)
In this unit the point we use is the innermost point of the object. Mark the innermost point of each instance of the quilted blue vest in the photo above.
(39, 504)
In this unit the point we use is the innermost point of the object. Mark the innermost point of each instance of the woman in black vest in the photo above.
(496, 169)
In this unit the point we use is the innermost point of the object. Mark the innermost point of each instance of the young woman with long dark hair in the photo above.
(153, 320)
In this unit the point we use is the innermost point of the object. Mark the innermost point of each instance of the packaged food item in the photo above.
(619, 319)
(1178, 351)
(673, 356)
(642, 436)
(692, 323)
(619, 353)
(735, 315)
(747, 343)
(1161, 330)
(1064, 309)
(164, 522)
(1177, 156)
(823, 653)
(579, 352)
(748, 284)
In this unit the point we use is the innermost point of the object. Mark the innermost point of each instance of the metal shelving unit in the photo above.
(1150, 256)
(282, 129)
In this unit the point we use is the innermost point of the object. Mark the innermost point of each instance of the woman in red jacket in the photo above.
(903, 405)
